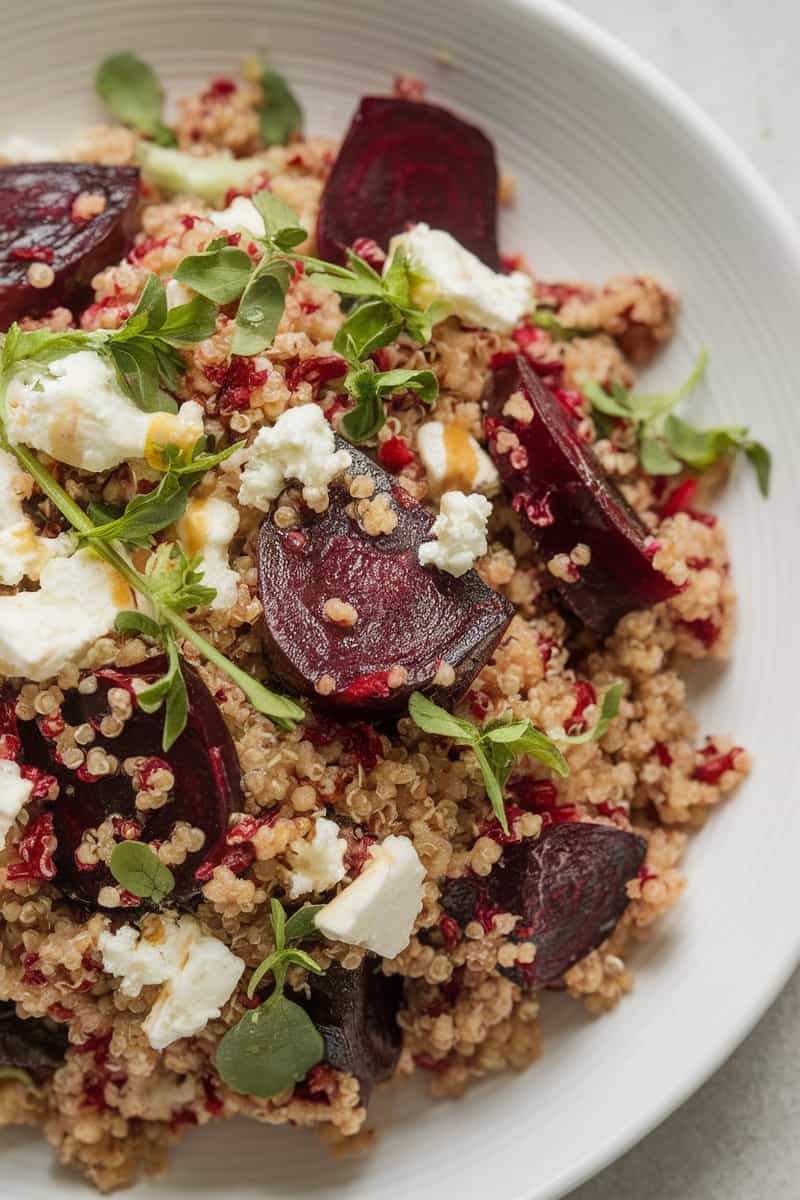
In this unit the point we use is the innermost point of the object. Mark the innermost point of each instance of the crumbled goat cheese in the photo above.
(15, 792)
(76, 604)
(460, 533)
(241, 213)
(378, 909)
(207, 528)
(299, 446)
(198, 974)
(317, 865)
(454, 459)
(75, 410)
(178, 293)
(444, 270)
(23, 553)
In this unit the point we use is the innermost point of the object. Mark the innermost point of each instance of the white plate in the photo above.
(617, 171)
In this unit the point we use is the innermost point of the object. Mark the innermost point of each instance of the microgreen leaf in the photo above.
(131, 90)
(280, 115)
(369, 388)
(141, 872)
(280, 221)
(220, 275)
(368, 327)
(608, 710)
(137, 622)
(545, 318)
(188, 323)
(277, 915)
(302, 924)
(667, 443)
(270, 1049)
(261, 308)
(495, 746)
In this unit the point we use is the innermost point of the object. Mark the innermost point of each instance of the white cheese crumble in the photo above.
(378, 909)
(453, 458)
(178, 293)
(23, 553)
(198, 974)
(299, 446)
(207, 528)
(15, 792)
(76, 604)
(317, 865)
(75, 410)
(460, 533)
(241, 213)
(446, 271)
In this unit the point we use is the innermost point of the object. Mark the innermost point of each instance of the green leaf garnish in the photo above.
(141, 872)
(170, 584)
(545, 318)
(220, 273)
(277, 1044)
(132, 92)
(143, 351)
(261, 307)
(370, 388)
(495, 746)
(608, 710)
(667, 444)
(280, 115)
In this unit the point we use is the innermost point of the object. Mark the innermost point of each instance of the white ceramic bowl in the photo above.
(617, 171)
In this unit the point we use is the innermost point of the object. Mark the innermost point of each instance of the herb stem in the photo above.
(280, 709)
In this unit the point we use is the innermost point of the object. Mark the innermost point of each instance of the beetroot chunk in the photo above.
(356, 1013)
(568, 886)
(401, 162)
(410, 618)
(38, 224)
(565, 500)
(36, 1045)
(203, 761)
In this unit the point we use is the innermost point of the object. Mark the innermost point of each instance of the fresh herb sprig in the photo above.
(139, 870)
(133, 94)
(382, 310)
(150, 512)
(275, 1045)
(495, 746)
(498, 744)
(170, 585)
(143, 351)
(666, 443)
(280, 115)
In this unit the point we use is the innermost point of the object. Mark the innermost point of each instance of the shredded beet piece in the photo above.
(315, 371)
(404, 161)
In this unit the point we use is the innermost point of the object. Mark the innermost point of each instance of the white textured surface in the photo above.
(737, 1137)
(615, 172)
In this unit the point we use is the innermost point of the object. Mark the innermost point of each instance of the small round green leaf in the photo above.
(270, 1049)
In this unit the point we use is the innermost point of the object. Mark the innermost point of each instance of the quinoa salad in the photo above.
(347, 575)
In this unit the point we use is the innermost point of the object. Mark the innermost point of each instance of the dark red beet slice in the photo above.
(401, 162)
(568, 886)
(565, 498)
(203, 761)
(356, 1013)
(408, 615)
(34, 1045)
(37, 225)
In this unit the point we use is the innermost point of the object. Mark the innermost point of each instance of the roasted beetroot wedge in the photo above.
(41, 223)
(566, 500)
(401, 162)
(410, 619)
(356, 1013)
(203, 762)
(37, 1045)
(568, 886)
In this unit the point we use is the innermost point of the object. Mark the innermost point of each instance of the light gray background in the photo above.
(738, 1138)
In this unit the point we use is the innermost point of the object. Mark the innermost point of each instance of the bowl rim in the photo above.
(643, 76)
